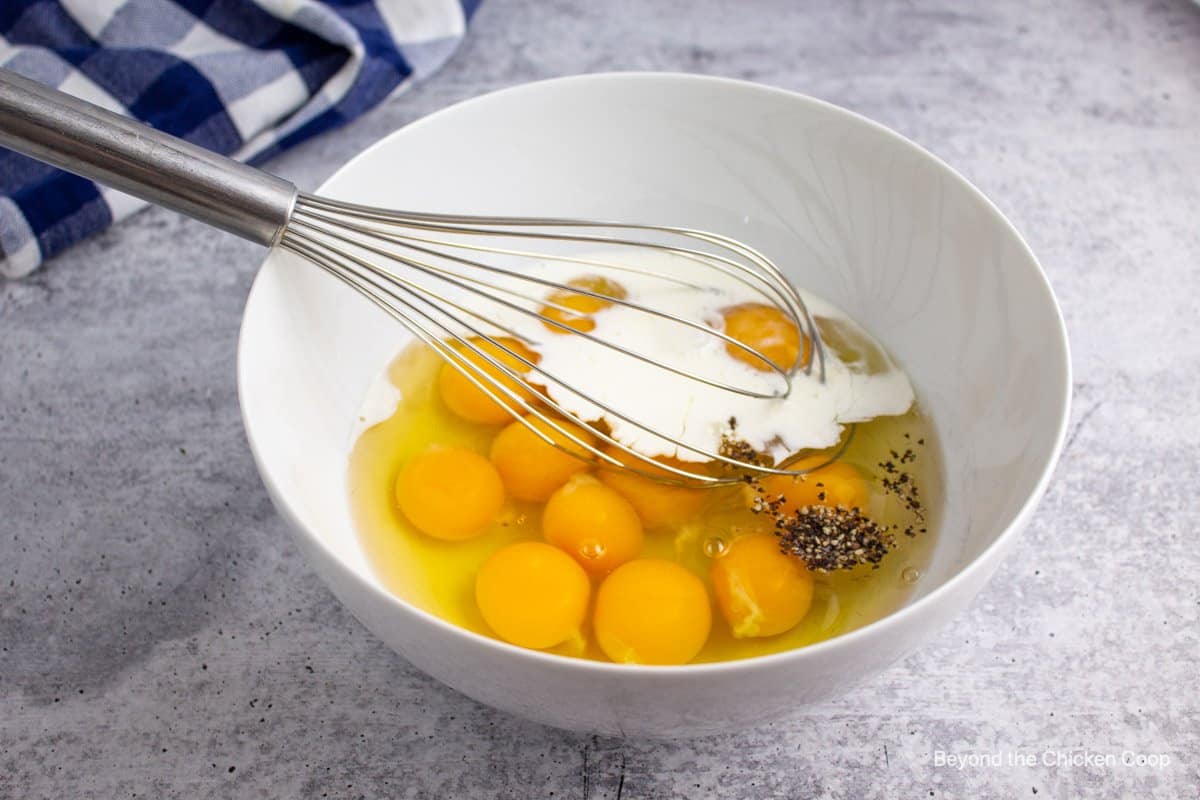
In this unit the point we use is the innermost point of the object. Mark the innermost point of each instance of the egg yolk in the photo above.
(449, 493)
(533, 469)
(651, 611)
(470, 402)
(532, 594)
(583, 304)
(760, 590)
(594, 524)
(836, 484)
(657, 503)
(768, 330)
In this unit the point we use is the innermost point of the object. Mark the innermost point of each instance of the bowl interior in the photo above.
(845, 207)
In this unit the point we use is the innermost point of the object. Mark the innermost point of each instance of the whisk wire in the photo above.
(322, 256)
(317, 237)
(485, 226)
(473, 285)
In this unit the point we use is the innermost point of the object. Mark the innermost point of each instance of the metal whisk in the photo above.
(451, 280)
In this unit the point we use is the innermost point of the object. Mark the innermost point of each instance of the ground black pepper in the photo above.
(898, 482)
(740, 450)
(826, 538)
(830, 538)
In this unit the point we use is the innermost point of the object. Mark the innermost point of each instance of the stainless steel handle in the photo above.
(114, 150)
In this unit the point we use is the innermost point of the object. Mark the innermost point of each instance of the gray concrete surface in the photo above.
(160, 636)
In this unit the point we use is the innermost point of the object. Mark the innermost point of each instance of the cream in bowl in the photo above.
(891, 240)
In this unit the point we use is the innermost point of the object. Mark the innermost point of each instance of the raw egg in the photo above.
(449, 492)
(760, 590)
(532, 594)
(652, 611)
(766, 329)
(470, 402)
(584, 305)
(657, 504)
(836, 484)
(594, 524)
(531, 468)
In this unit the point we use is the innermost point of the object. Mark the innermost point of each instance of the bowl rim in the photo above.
(878, 627)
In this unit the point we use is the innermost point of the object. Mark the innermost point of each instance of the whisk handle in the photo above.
(96, 143)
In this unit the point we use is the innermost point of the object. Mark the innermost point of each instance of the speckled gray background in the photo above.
(160, 636)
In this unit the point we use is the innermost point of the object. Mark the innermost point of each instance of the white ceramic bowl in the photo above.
(845, 206)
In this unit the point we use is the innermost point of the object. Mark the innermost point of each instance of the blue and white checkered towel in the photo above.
(247, 78)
